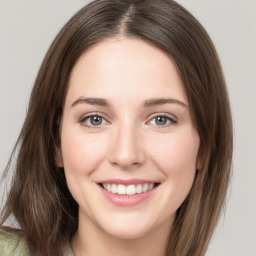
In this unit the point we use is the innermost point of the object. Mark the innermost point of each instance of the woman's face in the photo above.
(128, 145)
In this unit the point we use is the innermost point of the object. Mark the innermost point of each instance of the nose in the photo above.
(126, 148)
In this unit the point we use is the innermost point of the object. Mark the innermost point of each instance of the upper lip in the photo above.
(126, 181)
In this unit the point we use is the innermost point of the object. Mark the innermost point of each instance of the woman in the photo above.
(126, 148)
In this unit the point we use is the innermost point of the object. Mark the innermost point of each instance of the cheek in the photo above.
(176, 153)
(81, 154)
(176, 158)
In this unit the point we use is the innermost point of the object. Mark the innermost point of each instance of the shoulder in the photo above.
(12, 243)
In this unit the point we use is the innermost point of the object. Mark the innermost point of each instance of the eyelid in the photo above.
(91, 114)
(172, 118)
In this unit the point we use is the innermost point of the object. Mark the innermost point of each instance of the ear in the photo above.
(59, 158)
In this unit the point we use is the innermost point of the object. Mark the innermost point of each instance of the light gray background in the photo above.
(27, 27)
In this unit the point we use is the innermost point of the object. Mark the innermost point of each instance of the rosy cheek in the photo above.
(82, 154)
(176, 156)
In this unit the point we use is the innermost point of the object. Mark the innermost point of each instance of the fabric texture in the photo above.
(12, 244)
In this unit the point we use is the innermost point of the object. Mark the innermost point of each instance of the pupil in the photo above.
(96, 120)
(160, 120)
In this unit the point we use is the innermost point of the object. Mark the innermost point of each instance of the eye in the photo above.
(162, 120)
(93, 120)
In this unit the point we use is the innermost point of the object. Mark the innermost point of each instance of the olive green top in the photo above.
(12, 244)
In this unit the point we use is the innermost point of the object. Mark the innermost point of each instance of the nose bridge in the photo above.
(127, 149)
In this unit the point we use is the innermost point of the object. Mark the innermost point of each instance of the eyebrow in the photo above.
(162, 101)
(146, 103)
(91, 101)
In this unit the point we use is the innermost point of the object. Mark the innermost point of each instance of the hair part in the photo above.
(39, 197)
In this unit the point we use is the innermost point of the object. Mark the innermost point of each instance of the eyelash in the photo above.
(88, 117)
(170, 119)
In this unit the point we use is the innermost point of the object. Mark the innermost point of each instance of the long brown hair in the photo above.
(39, 197)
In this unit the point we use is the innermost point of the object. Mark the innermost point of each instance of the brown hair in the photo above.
(39, 197)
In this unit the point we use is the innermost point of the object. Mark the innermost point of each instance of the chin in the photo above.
(129, 228)
(127, 233)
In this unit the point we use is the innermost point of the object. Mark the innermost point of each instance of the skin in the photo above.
(128, 144)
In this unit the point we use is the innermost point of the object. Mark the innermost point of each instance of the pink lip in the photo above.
(127, 200)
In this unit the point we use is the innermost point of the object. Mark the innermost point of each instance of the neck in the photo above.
(93, 241)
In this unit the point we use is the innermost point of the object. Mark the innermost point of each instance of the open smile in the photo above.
(132, 189)
(127, 193)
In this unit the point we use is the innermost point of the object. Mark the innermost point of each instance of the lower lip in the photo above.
(125, 200)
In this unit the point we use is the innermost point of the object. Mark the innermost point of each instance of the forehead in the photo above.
(131, 67)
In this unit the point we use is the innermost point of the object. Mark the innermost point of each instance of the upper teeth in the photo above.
(127, 190)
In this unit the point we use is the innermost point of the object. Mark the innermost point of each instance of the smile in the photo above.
(131, 189)
(127, 193)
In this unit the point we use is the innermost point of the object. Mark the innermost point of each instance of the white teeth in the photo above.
(130, 190)
(121, 189)
(127, 190)
(114, 188)
(139, 189)
(145, 188)
(109, 187)
(150, 186)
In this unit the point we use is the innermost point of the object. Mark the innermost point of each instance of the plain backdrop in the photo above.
(27, 28)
